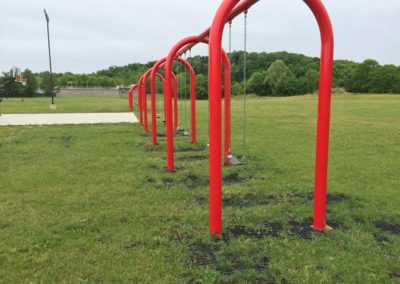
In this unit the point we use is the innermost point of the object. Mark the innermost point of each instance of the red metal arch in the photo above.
(324, 102)
(159, 64)
(130, 97)
(177, 49)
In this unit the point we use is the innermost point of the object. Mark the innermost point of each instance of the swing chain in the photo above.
(230, 57)
(185, 94)
(244, 86)
(230, 38)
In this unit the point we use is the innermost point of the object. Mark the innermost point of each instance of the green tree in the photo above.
(361, 77)
(280, 79)
(257, 85)
(31, 83)
(9, 87)
(45, 84)
(201, 86)
(236, 89)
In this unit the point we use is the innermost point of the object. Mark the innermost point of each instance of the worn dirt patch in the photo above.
(233, 178)
(249, 199)
(382, 225)
(179, 238)
(168, 181)
(154, 167)
(268, 229)
(203, 254)
(152, 148)
(381, 240)
(273, 228)
(303, 229)
(309, 196)
(192, 181)
(188, 149)
(149, 180)
(236, 264)
(67, 140)
(394, 274)
(192, 158)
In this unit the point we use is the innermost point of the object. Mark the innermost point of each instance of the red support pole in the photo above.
(168, 97)
(153, 75)
(324, 110)
(215, 82)
(144, 99)
(139, 90)
(172, 54)
(130, 98)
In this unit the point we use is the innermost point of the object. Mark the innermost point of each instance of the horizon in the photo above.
(118, 66)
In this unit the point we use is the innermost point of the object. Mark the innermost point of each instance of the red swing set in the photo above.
(227, 11)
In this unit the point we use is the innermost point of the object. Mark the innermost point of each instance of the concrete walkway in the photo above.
(67, 118)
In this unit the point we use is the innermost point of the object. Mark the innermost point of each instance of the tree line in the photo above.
(267, 74)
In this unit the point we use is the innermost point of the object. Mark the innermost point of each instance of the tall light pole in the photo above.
(52, 106)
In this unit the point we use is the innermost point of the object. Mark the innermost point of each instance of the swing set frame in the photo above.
(227, 11)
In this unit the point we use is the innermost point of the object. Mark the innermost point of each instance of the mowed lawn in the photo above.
(64, 105)
(94, 203)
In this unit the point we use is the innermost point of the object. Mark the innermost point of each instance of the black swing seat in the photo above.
(233, 161)
(180, 129)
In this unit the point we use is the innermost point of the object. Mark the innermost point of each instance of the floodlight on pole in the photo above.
(51, 71)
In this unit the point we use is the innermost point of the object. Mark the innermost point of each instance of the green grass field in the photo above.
(64, 105)
(94, 203)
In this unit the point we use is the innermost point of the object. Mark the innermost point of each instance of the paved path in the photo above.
(67, 118)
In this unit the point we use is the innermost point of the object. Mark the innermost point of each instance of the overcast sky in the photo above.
(89, 35)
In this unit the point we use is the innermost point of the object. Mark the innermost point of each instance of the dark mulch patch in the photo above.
(132, 245)
(191, 158)
(149, 180)
(152, 148)
(67, 140)
(383, 225)
(381, 240)
(236, 265)
(188, 149)
(202, 201)
(359, 220)
(233, 178)
(268, 230)
(169, 181)
(203, 254)
(273, 228)
(179, 238)
(335, 198)
(263, 264)
(249, 199)
(124, 220)
(309, 196)
(242, 200)
(394, 274)
(192, 181)
(154, 167)
(301, 229)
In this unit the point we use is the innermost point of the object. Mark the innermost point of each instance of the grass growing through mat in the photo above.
(93, 203)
